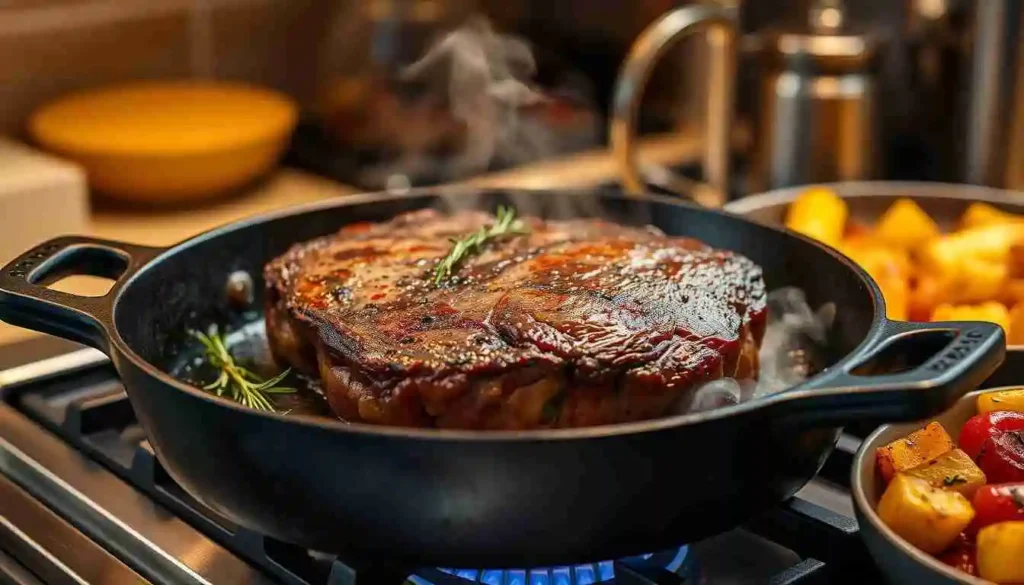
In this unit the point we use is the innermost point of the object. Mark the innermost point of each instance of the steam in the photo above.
(794, 334)
(488, 83)
(474, 92)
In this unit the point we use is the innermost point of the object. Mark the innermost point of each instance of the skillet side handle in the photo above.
(25, 300)
(841, 397)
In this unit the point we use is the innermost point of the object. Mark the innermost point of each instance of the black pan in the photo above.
(415, 497)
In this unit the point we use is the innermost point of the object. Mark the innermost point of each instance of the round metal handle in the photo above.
(721, 24)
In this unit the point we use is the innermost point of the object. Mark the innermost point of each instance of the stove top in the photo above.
(83, 499)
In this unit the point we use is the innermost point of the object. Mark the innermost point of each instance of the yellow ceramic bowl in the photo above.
(168, 141)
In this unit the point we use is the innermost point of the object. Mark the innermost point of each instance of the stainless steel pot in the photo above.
(817, 101)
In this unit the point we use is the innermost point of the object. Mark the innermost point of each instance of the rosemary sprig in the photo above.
(505, 224)
(235, 382)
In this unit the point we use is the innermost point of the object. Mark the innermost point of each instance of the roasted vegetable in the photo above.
(977, 281)
(906, 225)
(890, 269)
(980, 427)
(980, 214)
(953, 470)
(1004, 400)
(991, 311)
(1013, 291)
(818, 213)
(879, 261)
(1016, 260)
(896, 293)
(1001, 552)
(927, 292)
(1002, 457)
(961, 555)
(927, 517)
(919, 447)
(988, 244)
(1015, 334)
(997, 503)
(974, 273)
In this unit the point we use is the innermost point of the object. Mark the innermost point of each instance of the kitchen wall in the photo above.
(49, 47)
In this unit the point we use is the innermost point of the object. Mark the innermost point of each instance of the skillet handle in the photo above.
(841, 396)
(25, 300)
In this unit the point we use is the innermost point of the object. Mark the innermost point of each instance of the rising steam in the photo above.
(488, 78)
(794, 335)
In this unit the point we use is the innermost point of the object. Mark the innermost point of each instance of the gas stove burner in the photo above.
(590, 574)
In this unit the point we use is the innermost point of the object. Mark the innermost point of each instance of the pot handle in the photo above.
(721, 22)
(840, 396)
(25, 300)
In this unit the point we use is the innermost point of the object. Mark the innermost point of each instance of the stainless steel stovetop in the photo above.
(83, 500)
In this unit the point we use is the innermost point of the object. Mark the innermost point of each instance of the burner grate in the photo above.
(812, 544)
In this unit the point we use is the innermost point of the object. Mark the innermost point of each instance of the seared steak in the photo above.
(577, 323)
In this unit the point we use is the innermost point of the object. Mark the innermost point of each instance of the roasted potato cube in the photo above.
(921, 446)
(896, 292)
(927, 293)
(820, 214)
(1005, 400)
(953, 470)
(927, 517)
(991, 311)
(906, 225)
(1013, 291)
(1001, 552)
(1015, 334)
(890, 269)
(856, 230)
(981, 214)
(877, 260)
(1015, 263)
(978, 281)
(991, 244)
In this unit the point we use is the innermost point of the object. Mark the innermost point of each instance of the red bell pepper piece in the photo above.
(996, 503)
(1002, 458)
(981, 427)
(961, 555)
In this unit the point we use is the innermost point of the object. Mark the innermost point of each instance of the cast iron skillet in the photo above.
(457, 498)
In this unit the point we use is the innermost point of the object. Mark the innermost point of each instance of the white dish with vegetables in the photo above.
(942, 501)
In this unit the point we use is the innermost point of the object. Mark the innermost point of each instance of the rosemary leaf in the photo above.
(505, 224)
(236, 382)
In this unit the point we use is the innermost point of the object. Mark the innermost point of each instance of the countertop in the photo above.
(286, 187)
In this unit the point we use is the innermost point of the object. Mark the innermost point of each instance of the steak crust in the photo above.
(577, 323)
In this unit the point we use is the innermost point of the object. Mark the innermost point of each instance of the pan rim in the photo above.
(118, 344)
(872, 189)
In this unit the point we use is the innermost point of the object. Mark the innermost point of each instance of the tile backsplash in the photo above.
(51, 47)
